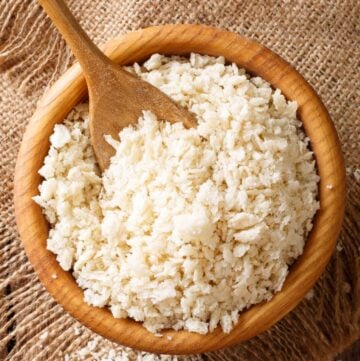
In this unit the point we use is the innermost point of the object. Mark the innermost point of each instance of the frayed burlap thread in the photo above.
(320, 38)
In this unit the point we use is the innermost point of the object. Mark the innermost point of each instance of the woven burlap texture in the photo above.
(320, 38)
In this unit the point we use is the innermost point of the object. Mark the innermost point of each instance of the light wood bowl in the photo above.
(70, 89)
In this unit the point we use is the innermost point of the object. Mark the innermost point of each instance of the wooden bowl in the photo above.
(70, 89)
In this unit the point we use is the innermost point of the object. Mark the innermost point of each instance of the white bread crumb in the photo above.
(310, 295)
(44, 336)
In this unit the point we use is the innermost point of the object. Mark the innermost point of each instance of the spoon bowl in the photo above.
(137, 46)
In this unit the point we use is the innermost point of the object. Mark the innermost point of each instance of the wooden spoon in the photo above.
(117, 98)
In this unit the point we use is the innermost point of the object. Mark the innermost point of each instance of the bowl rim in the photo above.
(181, 39)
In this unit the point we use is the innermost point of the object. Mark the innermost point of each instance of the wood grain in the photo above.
(117, 98)
(181, 40)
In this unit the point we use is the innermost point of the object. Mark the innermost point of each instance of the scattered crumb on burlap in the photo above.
(320, 38)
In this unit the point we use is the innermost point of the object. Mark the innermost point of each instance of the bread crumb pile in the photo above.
(187, 227)
(93, 350)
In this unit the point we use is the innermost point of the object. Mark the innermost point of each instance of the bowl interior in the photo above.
(70, 89)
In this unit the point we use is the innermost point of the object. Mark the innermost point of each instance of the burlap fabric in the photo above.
(320, 38)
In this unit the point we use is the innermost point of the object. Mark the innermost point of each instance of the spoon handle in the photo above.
(90, 57)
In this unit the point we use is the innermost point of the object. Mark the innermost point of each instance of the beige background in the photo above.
(320, 38)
